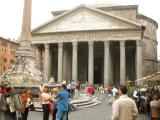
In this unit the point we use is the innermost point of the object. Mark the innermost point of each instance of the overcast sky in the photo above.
(11, 12)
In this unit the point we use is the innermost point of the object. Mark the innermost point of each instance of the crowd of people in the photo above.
(14, 106)
(17, 106)
(148, 100)
(55, 100)
(144, 100)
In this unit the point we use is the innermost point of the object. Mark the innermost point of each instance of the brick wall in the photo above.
(7, 54)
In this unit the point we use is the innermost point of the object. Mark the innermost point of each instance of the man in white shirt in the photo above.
(155, 102)
(124, 108)
(114, 90)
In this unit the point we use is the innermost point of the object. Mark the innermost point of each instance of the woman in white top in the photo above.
(46, 98)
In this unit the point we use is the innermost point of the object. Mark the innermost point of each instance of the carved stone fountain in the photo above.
(24, 72)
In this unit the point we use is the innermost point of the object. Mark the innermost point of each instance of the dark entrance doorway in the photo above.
(98, 62)
(98, 70)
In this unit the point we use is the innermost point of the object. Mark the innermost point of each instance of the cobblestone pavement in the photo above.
(100, 112)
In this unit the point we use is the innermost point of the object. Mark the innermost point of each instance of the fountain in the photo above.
(24, 72)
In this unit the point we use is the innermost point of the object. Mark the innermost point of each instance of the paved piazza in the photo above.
(100, 112)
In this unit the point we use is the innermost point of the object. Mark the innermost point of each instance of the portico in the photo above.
(107, 62)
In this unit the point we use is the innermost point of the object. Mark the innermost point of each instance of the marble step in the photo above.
(86, 103)
(90, 105)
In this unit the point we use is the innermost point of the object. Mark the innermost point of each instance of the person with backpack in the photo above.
(10, 112)
(136, 96)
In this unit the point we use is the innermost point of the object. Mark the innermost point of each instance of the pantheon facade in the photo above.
(97, 44)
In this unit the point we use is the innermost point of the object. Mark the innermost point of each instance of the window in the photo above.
(11, 61)
(5, 50)
(5, 59)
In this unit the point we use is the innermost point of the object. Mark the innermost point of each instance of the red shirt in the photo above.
(90, 90)
(3, 91)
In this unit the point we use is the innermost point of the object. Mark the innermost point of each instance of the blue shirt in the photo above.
(62, 104)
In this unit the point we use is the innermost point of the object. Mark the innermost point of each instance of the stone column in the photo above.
(46, 63)
(122, 63)
(90, 62)
(139, 61)
(38, 58)
(60, 61)
(74, 61)
(106, 63)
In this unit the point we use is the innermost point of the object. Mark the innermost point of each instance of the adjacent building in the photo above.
(100, 44)
(158, 65)
(7, 54)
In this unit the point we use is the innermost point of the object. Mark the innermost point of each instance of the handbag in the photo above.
(53, 106)
(31, 107)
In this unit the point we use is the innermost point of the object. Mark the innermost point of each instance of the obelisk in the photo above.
(26, 23)
(25, 49)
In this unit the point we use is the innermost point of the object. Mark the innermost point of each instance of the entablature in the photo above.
(85, 36)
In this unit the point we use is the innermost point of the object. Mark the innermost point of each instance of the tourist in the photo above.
(155, 106)
(54, 103)
(68, 86)
(10, 112)
(90, 92)
(64, 82)
(124, 108)
(149, 99)
(77, 89)
(110, 94)
(62, 104)
(155, 102)
(2, 100)
(101, 89)
(46, 98)
(72, 89)
(27, 101)
(114, 90)
(136, 96)
(2, 87)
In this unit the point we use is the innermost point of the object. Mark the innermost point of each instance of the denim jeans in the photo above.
(71, 93)
(90, 97)
(61, 115)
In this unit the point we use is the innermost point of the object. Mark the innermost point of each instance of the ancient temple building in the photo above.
(104, 44)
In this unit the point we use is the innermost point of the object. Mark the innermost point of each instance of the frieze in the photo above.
(86, 36)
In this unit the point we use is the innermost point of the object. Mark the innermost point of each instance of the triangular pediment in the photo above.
(83, 18)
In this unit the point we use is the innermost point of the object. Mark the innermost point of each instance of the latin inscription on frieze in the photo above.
(85, 36)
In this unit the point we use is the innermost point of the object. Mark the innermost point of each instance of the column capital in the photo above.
(38, 46)
(60, 44)
(90, 43)
(46, 46)
(122, 43)
(139, 43)
(74, 44)
(106, 43)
